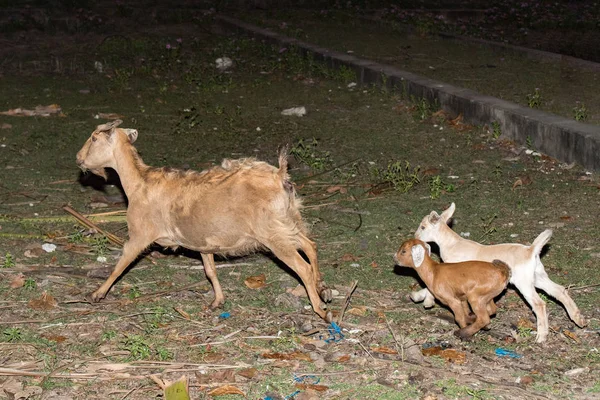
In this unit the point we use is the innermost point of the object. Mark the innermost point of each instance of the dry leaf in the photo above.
(226, 389)
(525, 323)
(39, 111)
(571, 336)
(18, 281)
(336, 188)
(517, 183)
(224, 375)
(45, 302)
(566, 217)
(308, 386)
(110, 116)
(349, 257)
(344, 358)
(177, 390)
(450, 355)
(248, 373)
(431, 172)
(374, 264)
(296, 355)
(298, 291)
(457, 120)
(182, 312)
(55, 338)
(256, 282)
(360, 311)
(384, 350)
(526, 380)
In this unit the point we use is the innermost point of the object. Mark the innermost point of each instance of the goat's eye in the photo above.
(94, 138)
(422, 226)
(403, 252)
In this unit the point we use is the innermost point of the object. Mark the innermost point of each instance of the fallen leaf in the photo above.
(336, 188)
(457, 120)
(298, 291)
(360, 311)
(296, 355)
(39, 111)
(308, 386)
(374, 264)
(182, 312)
(256, 282)
(566, 217)
(525, 323)
(33, 253)
(18, 281)
(349, 257)
(44, 302)
(12, 386)
(248, 373)
(431, 172)
(517, 183)
(526, 380)
(344, 358)
(450, 355)
(177, 390)
(226, 389)
(571, 336)
(55, 338)
(384, 350)
(224, 375)
(110, 116)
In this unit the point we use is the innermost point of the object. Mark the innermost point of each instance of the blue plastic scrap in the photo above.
(225, 315)
(335, 333)
(500, 352)
(310, 379)
(291, 396)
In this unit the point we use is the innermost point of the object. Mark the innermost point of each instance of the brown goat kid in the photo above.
(239, 207)
(458, 285)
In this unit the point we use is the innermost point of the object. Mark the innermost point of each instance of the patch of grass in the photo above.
(137, 346)
(437, 186)
(400, 175)
(534, 100)
(29, 284)
(496, 130)
(308, 153)
(11, 335)
(580, 112)
(9, 261)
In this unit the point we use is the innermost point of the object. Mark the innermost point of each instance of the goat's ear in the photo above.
(109, 127)
(447, 214)
(434, 218)
(132, 134)
(428, 247)
(418, 255)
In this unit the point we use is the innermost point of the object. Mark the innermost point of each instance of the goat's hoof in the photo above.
(326, 295)
(217, 303)
(463, 335)
(328, 317)
(95, 297)
(580, 321)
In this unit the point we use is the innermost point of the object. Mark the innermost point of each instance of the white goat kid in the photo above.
(528, 272)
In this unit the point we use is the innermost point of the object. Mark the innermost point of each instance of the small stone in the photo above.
(576, 371)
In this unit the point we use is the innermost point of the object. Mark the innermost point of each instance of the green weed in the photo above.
(29, 284)
(109, 335)
(134, 293)
(11, 334)
(121, 79)
(580, 112)
(100, 245)
(496, 130)
(307, 153)
(534, 100)
(488, 226)
(401, 175)
(137, 346)
(9, 261)
(423, 109)
(437, 186)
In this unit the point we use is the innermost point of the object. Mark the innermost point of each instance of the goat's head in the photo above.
(97, 152)
(412, 253)
(429, 229)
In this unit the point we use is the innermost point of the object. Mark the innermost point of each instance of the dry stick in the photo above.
(399, 346)
(86, 222)
(308, 178)
(130, 392)
(583, 287)
(347, 302)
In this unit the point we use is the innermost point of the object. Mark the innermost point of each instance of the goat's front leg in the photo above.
(211, 273)
(132, 248)
(479, 307)
(423, 295)
(458, 309)
(293, 260)
(310, 249)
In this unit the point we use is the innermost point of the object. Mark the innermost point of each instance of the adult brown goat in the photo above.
(239, 207)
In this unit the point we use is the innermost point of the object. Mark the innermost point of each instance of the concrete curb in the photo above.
(566, 140)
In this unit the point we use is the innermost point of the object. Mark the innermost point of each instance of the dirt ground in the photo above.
(368, 165)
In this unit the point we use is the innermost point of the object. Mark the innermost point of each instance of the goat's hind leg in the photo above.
(423, 295)
(310, 249)
(132, 248)
(543, 281)
(211, 273)
(479, 307)
(527, 289)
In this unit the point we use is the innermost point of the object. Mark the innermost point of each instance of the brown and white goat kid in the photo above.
(528, 272)
(458, 285)
(233, 209)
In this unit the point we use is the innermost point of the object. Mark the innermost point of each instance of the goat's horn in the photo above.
(109, 126)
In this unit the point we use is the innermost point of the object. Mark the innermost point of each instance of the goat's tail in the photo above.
(283, 164)
(541, 241)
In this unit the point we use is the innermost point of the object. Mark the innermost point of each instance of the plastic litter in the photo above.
(335, 333)
(225, 315)
(223, 63)
(49, 247)
(295, 111)
(500, 352)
